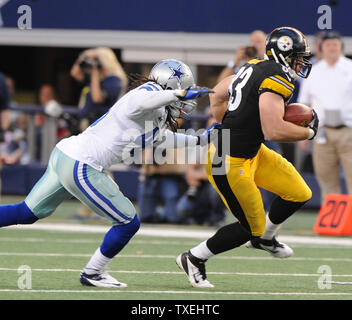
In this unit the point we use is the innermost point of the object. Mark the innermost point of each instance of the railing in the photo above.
(50, 125)
(49, 129)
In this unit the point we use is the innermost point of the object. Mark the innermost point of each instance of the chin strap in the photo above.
(292, 73)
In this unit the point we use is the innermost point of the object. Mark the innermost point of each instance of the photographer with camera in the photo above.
(256, 49)
(103, 79)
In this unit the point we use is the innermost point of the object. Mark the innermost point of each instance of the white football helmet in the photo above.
(173, 74)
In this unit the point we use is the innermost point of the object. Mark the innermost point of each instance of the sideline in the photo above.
(178, 232)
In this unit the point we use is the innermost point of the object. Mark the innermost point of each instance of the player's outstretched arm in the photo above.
(150, 100)
(172, 140)
(271, 109)
(219, 100)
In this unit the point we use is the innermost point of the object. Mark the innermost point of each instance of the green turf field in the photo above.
(147, 265)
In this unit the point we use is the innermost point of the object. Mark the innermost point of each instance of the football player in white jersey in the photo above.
(77, 164)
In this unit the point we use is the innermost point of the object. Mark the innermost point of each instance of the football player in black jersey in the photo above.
(251, 105)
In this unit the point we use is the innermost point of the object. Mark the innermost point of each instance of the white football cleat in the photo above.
(100, 279)
(195, 270)
(275, 248)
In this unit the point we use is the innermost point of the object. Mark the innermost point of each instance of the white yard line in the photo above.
(179, 232)
(255, 274)
(97, 241)
(146, 242)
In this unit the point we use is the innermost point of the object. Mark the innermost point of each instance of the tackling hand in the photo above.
(314, 124)
(193, 93)
(206, 137)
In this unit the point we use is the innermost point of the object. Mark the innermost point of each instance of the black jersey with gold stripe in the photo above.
(242, 116)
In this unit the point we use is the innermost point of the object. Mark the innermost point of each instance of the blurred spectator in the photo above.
(52, 108)
(158, 193)
(317, 56)
(288, 150)
(258, 40)
(161, 186)
(305, 146)
(318, 39)
(47, 100)
(104, 81)
(15, 151)
(328, 91)
(5, 98)
(201, 204)
(256, 49)
(12, 87)
(243, 54)
(9, 116)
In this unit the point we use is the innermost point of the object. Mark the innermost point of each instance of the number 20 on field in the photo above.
(335, 216)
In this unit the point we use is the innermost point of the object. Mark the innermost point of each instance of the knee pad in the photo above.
(301, 195)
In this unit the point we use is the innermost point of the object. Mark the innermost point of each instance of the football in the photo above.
(299, 114)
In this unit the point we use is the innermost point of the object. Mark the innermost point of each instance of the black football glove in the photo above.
(314, 124)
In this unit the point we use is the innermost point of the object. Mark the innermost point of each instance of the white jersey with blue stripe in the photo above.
(134, 121)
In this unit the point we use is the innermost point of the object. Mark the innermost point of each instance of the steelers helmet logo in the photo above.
(285, 43)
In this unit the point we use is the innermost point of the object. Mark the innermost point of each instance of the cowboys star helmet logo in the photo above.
(285, 43)
(176, 73)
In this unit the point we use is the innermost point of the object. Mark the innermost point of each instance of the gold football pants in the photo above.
(237, 181)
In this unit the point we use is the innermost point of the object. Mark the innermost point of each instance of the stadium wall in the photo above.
(126, 179)
(209, 16)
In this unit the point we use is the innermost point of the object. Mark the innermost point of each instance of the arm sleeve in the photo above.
(146, 101)
(175, 140)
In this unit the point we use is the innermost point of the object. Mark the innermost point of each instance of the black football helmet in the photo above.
(289, 47)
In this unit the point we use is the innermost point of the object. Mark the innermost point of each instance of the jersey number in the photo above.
(241, 77)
